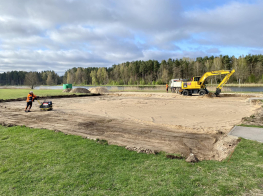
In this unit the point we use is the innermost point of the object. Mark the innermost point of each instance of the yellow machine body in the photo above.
(193, 84)
(197, 84)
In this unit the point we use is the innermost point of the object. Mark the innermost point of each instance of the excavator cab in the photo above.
(196, 79)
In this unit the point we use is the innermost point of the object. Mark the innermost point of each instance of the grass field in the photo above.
(43, 162)
(19, 93)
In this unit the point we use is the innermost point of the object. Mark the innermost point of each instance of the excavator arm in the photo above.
(222, 83)
(212, 73)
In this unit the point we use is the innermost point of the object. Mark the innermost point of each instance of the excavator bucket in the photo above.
(218, 91)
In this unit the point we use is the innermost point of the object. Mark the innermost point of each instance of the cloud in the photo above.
(58, 61)
(213, 51)
(256, 51)
(234, 24)
(164, 55)
(60, 34)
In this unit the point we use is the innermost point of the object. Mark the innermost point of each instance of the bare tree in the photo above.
(31, 79)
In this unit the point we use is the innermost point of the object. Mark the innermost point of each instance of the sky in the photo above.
(38, 35)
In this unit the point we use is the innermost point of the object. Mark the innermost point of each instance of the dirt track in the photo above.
(157, 121)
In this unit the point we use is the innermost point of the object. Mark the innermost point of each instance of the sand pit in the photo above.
(149, 121)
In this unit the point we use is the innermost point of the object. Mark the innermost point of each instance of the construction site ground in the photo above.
(157, 121)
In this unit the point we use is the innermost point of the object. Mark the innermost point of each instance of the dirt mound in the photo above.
(67, 90)
(209, 95)
(100, 90)
(80, 90)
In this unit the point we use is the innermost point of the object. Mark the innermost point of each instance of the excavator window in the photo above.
(196, 79)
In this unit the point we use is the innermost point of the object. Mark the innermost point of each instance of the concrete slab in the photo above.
(254, 98)
(251, 133)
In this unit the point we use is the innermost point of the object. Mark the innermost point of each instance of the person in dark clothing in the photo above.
(30, 98)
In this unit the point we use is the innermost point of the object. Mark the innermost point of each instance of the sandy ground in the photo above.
(157, 121)
(191, 114)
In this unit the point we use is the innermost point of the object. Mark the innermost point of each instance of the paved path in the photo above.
(254, 98)
(250, 133)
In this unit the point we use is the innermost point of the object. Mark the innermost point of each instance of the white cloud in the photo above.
(234, 24)
(58, 61)
(60, 34)
(213, 51)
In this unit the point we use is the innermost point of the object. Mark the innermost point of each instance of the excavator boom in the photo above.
(223, 82)
(212, 73)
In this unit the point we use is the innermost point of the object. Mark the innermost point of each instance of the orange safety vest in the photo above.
(167, 86)
(30, 97)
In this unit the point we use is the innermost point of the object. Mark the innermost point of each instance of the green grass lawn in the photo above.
(43, 162)
(19, 93)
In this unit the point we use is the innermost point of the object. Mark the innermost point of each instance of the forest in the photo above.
(249, 69)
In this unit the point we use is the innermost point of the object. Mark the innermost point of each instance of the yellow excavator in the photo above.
(197, 85)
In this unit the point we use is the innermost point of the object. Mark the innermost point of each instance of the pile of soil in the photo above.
(80, 90)
(100, 90)
(209, 95)
(67, 90)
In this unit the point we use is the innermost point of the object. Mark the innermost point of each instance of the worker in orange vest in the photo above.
(30, 98)
(167, 88)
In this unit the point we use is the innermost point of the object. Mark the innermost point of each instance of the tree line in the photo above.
(249, 69)
(30, 78)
